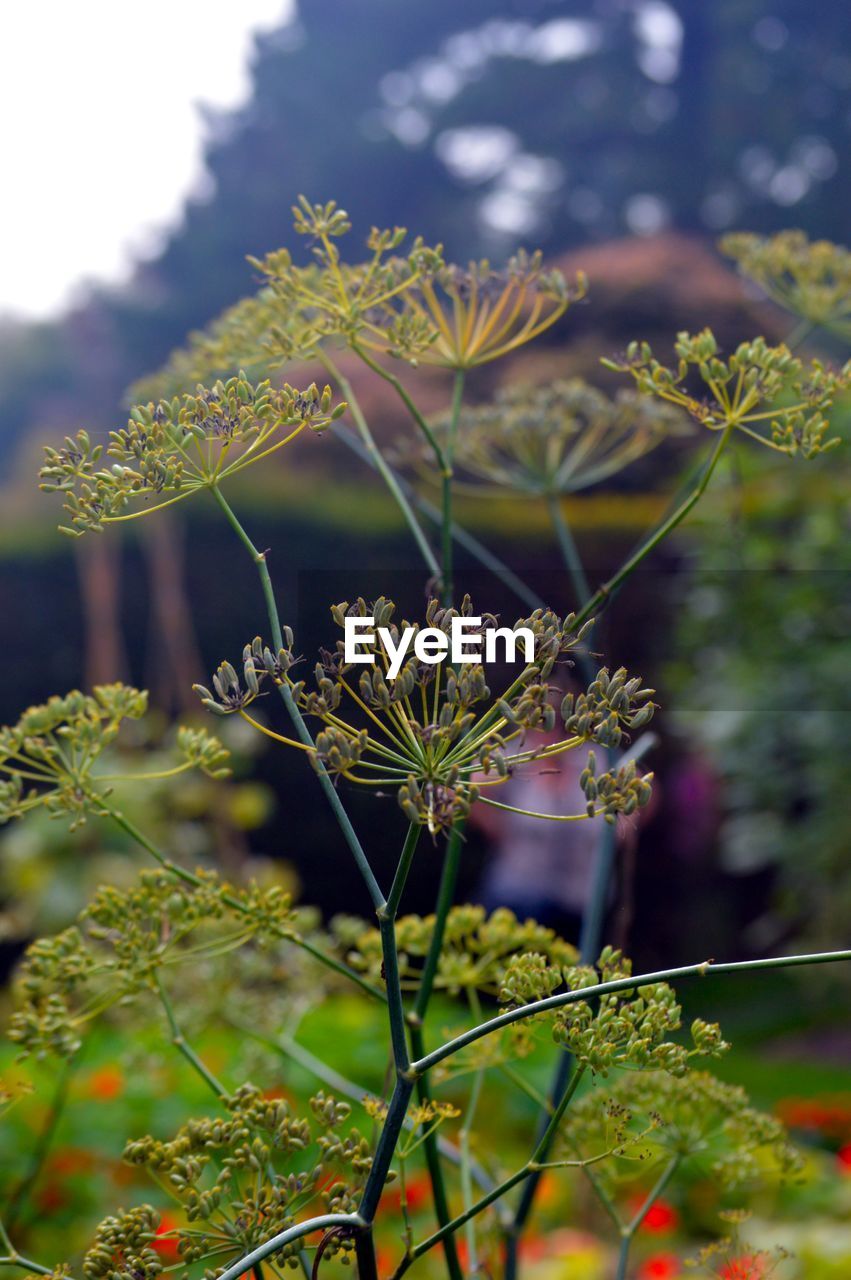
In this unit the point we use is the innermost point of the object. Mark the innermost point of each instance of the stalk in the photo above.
(604, 593)
(376, 459)
(328, 788)
(620, 984)
(628, 1231)
(416, 1018)
(322, 1222)
(448, 572)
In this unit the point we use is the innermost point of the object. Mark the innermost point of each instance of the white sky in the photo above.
(100, 137)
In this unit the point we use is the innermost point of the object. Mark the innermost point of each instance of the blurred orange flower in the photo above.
(106, 1083)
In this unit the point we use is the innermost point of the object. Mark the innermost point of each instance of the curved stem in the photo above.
(620, 984)
(409, 404)
(320, 1223)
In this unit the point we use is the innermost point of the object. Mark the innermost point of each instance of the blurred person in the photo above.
(543, 870)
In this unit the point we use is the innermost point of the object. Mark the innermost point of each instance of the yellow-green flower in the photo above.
(434, 733)
(172, 449)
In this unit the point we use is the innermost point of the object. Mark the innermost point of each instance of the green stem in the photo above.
(485, 557)
(26, 1264)
(330, 791)
(620, 984)
(188, 877)
(19, 1196)
(604, 593)
(498, 1192)
(465, 539)
(409, 404)
(387, 929)
(387, 1143)
(447, 568)
(376, 459)
(569, 550)
(365, 1255)
(628, 1232)
(290, 1048)
(416, 1018)
(181, 1045)
(466, 1178)
(445, 895)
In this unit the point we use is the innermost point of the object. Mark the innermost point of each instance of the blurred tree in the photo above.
(478, 124)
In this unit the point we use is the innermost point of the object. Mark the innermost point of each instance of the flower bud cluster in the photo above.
(689, 1116)
(811, 278)
(125, 939)
(758, 389)
(548, 439)
(178, 446)
(49, 757)
(480, 952)
(626, 1029)
(438, 737)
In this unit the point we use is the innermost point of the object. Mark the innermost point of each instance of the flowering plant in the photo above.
(254, 1183)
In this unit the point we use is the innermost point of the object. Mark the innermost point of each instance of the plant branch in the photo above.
(376, 459)
(604, 593)
(181, 1045)
(330, 791)
(320, 1223)
(620, 984)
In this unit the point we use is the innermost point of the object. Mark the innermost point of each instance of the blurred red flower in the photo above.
(660, 1219)
(750, 1266)
(661, 1266)
(165, 1243)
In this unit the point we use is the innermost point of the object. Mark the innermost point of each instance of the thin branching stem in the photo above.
(181, 1044)
(628, 1231)
(603, 594)
(330, 791)
(621, 984)
(189, 877)
(416, 1019)
(447, 568)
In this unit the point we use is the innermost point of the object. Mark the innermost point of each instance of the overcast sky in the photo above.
(101, 136)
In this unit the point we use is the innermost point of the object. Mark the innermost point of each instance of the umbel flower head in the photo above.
(170, 450)
(434, 733)
(48, 758)
(763, 391)
(239, 1177)
(556, 438)
(810, 278)
(686, 1115)
(400, 300)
